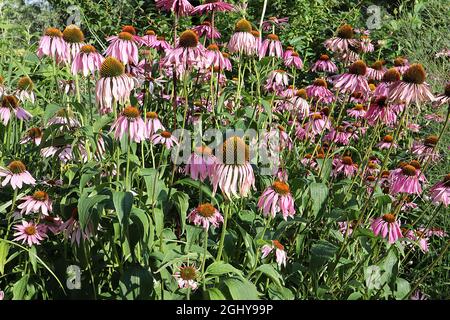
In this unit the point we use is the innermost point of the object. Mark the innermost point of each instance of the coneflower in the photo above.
(123, 47)
(212, 6)
(87, 61)
(205, 215)
(293, 61)
(319, 91)
(206, 29)
(343, 39)
(188, 52)
(113, 86)
(129, 122)
(34, 135)
(16, 175)
(242, 40)
(152, 124)
(74, 38)
(53, 45)
(38, 202)
(10, 105)
(353, 81)
(274, 22)
(387, 142)
(29, 232)
(25, 90)
(165, 138)
(389, 77)
(376, 71)
(179, 7)
(401, 64)
(388, 227)
(357, 112)
(439, 100)
(407, 179)
(277, 198)
(440, 192)
(271, 47)
(324, 64)
(426, 150)
(344, 165)
(160, 44)
(186, 277)
(277, 81)
(148, 38)
(280, 253)
(215, 58)
(200, 164)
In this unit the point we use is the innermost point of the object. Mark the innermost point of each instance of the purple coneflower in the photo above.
(401, 64)
(319, 91)
(130, 123)
(271, 47)
(388, 227)
(353, 81)
(212, 6)
(347, 227)
(293, 61)
(376, 71)
(242, 40)
(380, 110)
(272, 22)
(206, 29)
(187, 53)
(25, 90)
(186, 277)
(365, 45)
(148, 38)
(29, 232)
(10, 105)
(16, 175)
(179, 7)
(87, 61)
(200, 164)
(34, 135)
(407, 179)
(439, 100)
(152, 124)
(343, 40)
(205, 215)
(53, 45)
(160, 44)
(164, 137)
(387, 142)
(280, 254)
(277, 198)
(357, 112)
(277, 81)
(339, 135)
(440, 192)
(324, 64)
(317, 123)
(426, 150)
(123, 47)
(74, 38)
(389, 77)
(38, 202)
(215, 58)
(72, 229)
(345, 166)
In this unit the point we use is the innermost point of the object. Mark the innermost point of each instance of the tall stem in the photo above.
(224, 230)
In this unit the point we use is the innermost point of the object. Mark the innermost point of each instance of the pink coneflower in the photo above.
(38, 202)
(16, 175)
(387, 143)
(10, 105)
(317, 123)
(148, 38)
(179, 7)
(164, 137)
(401, 64)
(280, 254)
(413, 127)
(242, 40)
(205, 215)
(439, 100)
(299, 103)
(123, 47)
(388, 227)
(347, 57)
(64, 152)
(365, 45)
(277, 81)
(376, 71)
(160, 44)
(64, 117)
(212, 6)
(343, 40)
(324, 64)
(345, 166)
(347, 227)
(319, 91)
(418, 236)
(200, 164)
(152, 124)
(233, 173)
(53, 45)
(412, 88)
(357, 112)
(277, 198)
(379, 110)
(186, 277)
(34, 135)
(258, 41)
(293, 61)
(274, 22)
(418, 295)
(271, 47)
(87, 61)
(187, 53)
(440, 192)
(113, 86)
(407, 179)
(132, 30)
(25, 90)
(52, 224)
(389, 77)
(426, 150)
(72, 229)
(353, 81)
(288, 52)
(309, 162)
(434, 117)
(206, 29)
(339, 135)
(215, 58)
(29, 232)
(74, 38)
(130, 123)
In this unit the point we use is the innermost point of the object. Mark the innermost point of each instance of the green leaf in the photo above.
(319, 193)
(355, 296)
(220, 268)
(269, 271)
(241, 289)
(321, 253)
(4, 250)
(181, 201)
(153, 184)
(50, 110)
(33, 258)
(20, 287)
(123, 202)
(85, 207)
(402, 288)
(215, 294)
(136, 283)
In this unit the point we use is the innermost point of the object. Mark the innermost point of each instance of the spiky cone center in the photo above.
(415, 164)
(345, 32)
(358, 107)
(349, 129)
(294, 54)
(17, 167)
(385, 174)
(289, 48)
(161, 38)
(316, 116)
(277, 244)
(203, 150)
(308, 156)
(34, 133)
(151, 115)
(377, 65)
(415, 74)
(10, 102)
(188, 39)
(131, 112)
(302, 94)
(53, 32)
(40, 195)
(273, 37)
(347, 161)
(125, 36)
(281, 128)
(280, 71)
(372, 165)
(446, 180)
(25, 83)
(320, 155)
(320, 83)
(281, 188)
(399, 62)
(324, 57)
(372, 86)
(30, 230)
(325, 111)
(243, 25)
(392, 75)
(73, 34)
(87, 48)
(225, 54)
(188, 273)
(166, 134)
(255, 33)
(206, 210)
(431, 141)
(111, 67)
(389, 218)
(370, 178)
(409, 170)
(129, 29)
(63, 113)
(388, 138)
(358, 68)
(2, 80)
(150, 33)
(213, 47)
(206, 23)
(446, 91)
(235, 149)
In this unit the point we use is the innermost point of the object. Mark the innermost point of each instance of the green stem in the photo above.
(224, 230)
